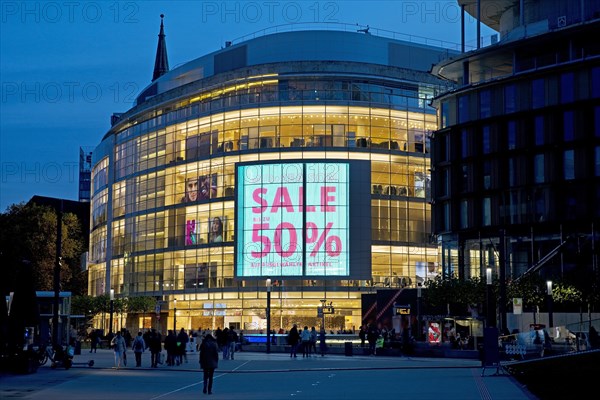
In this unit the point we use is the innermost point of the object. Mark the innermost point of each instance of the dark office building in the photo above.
(85, 173)
(516, 161)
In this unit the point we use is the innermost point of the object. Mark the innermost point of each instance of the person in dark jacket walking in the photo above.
(94, 340)
(372, 335)
(322, 345)
(293, 339)
(182, 339)
(170, 347)
(155, 345)
(209, 361)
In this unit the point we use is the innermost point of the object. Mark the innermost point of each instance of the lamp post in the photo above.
(488, 295)
(268, 283)
(112, 309)
(418, 333)
(175, 316)
(550, 303)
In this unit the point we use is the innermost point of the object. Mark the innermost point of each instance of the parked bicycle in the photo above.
(43, 354)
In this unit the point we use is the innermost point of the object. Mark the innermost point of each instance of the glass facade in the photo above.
(164, 196)
(531, 186)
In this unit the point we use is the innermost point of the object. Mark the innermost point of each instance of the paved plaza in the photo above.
(254, 375)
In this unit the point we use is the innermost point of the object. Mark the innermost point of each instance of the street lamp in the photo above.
(112, 309)
(418, 333)
(488, 295)
(550, 303)
(175, 316)
(269, 286)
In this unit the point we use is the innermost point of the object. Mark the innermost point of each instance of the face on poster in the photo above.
(426, 271)
(293, 219)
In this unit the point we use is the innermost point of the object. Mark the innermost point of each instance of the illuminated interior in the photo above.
(164, 224)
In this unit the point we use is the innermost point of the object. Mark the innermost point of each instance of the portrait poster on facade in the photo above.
(200, 187)
(207, 186)
(217, 229)
(293, 219)
(426, 271)
(192, 232)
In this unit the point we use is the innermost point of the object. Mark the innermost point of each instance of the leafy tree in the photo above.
(141, 304)
(101, 304)
(29, 233)
(531, 288)
(453, 291)
(83, 305)
(562, 292)
(586, 281)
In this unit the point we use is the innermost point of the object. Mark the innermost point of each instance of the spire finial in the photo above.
(161, 63)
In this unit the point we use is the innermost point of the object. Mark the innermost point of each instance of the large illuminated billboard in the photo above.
(294, 219)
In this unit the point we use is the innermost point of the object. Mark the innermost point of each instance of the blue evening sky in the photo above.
(66, 66)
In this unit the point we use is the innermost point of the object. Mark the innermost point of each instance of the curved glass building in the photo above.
(300, 157)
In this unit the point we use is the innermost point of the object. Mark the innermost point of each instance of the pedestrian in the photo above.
(305, 337)
(224, 344)
(118, 345)
(313, 341)
(127, 336)
(155, 346)
(94, 339)
(241, 340)
(138, 346)
(182, 340)
(293, 338)
(322, 344)
(362, 335)
(372, 335)
(171, 347)
(221, 338)
(232, 338)
(209, 361)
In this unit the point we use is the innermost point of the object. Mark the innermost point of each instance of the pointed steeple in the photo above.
(161, 64)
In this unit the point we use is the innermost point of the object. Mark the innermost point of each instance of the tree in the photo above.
(101, 304)
(454, 292)
(531, 288)
(29, 232)
(83, 305)
(141, 304)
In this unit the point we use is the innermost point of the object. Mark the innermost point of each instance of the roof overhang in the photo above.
(490, 10)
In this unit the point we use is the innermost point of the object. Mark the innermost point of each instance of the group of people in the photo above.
(306, 341)
(174, 344)
(209, 351)
(224, 341)
(227, 340)
(375, 336)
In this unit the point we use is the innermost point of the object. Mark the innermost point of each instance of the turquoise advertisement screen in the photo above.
(292, 220)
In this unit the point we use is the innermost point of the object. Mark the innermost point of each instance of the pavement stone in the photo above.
(254, 375)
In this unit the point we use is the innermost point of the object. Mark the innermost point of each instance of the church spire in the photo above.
(161, 64)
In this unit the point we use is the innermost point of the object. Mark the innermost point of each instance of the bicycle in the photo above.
(44, 352)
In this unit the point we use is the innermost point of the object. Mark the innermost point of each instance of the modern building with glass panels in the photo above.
(517, 157)
(301, 157)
